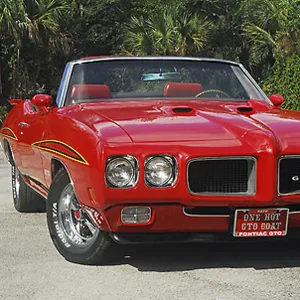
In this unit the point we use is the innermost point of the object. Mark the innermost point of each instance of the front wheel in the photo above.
(73, 233)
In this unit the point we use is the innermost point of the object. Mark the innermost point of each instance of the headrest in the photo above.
(182, 89)
(90, 91)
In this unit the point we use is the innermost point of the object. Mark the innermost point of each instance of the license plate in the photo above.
(260, 222)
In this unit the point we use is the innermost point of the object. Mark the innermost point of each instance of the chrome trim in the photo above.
(204, 216)
(16, 183)
(31, 186)
(96, 59)
(35, 189)
(278, 175)
(136, 207)
(135, 165)
(23, 125)
(225, 216)
(255, 84)
(74, 228)
(173, 161)
(253, 175)
(64, 85)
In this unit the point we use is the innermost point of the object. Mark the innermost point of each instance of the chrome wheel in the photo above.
(73, 221)
(16, 183)
(73, 233)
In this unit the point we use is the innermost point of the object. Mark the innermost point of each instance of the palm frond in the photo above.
(173, 31)
(138, 40)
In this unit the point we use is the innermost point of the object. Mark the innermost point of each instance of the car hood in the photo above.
(285, 126)
(171, 121)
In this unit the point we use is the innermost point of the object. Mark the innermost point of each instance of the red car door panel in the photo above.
(31, 130)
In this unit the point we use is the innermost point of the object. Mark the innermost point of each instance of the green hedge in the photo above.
(285, 80)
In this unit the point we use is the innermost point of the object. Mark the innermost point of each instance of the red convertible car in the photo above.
(155, 149)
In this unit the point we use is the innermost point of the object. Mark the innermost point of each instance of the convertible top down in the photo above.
(155, 149)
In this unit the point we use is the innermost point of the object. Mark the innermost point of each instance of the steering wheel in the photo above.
(212, 91)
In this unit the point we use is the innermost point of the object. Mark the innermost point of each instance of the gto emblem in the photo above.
(295, 178)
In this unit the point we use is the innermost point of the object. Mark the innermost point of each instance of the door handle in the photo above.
(23, 124)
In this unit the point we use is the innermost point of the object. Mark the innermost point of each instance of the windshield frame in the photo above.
(64, 86)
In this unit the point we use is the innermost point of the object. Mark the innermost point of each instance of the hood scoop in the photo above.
(182, 109)
(245, 109)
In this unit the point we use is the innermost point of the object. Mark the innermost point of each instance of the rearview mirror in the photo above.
(276, 99)
(168, 76)
(42, 102)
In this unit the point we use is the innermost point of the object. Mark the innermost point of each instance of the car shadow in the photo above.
(184, 257)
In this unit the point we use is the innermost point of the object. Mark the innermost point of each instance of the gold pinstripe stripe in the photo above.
(82, 161)
(14, 137)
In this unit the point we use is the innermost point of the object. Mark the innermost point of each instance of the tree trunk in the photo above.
(1, 90)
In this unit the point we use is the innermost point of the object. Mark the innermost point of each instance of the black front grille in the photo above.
(222, 176)
(289, 175)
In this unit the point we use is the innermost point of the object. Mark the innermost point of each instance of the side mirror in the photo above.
(13, 102)
(42, 102)
(276, 99)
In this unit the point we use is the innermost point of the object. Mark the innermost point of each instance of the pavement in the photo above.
(2, 155)
(31, 268)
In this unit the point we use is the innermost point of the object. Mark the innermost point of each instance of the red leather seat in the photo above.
(90, 91)
(182, 89)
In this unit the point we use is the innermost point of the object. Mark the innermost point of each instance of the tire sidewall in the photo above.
(63, 244)
(16, 199)
(13, 182)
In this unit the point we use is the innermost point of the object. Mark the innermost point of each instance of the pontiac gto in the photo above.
(155, 149)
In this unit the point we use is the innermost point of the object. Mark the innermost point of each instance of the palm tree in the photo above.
(11, 24)
(270, 29)
(191, 33)
(138, 39)
(29, 22)
(162, 30)
(12, 18)
(172, 31)
(35, 19)
(42, 21)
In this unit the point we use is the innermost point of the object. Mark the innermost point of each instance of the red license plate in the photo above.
(260, 222)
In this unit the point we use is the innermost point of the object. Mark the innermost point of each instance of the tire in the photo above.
(71, 230)
(25, 198)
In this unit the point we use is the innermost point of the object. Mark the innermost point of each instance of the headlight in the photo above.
(121, 171)
(160, 171)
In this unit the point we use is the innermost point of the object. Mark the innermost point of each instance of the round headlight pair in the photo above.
(121, 171)
(160, 171)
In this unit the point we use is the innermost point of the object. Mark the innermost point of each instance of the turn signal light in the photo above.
(135, 215)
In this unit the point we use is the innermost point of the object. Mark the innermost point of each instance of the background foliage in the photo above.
(285, 80)
(37, 38)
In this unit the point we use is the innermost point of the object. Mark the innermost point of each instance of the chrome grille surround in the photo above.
(251, 175)
(287, 157)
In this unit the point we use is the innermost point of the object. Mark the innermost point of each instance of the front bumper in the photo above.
(193, 237)
(175, 218)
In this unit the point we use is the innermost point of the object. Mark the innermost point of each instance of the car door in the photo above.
(31, 130)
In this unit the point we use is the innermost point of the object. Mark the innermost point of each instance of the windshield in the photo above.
(115, 79)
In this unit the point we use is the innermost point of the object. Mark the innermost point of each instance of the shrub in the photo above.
(285, 80)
